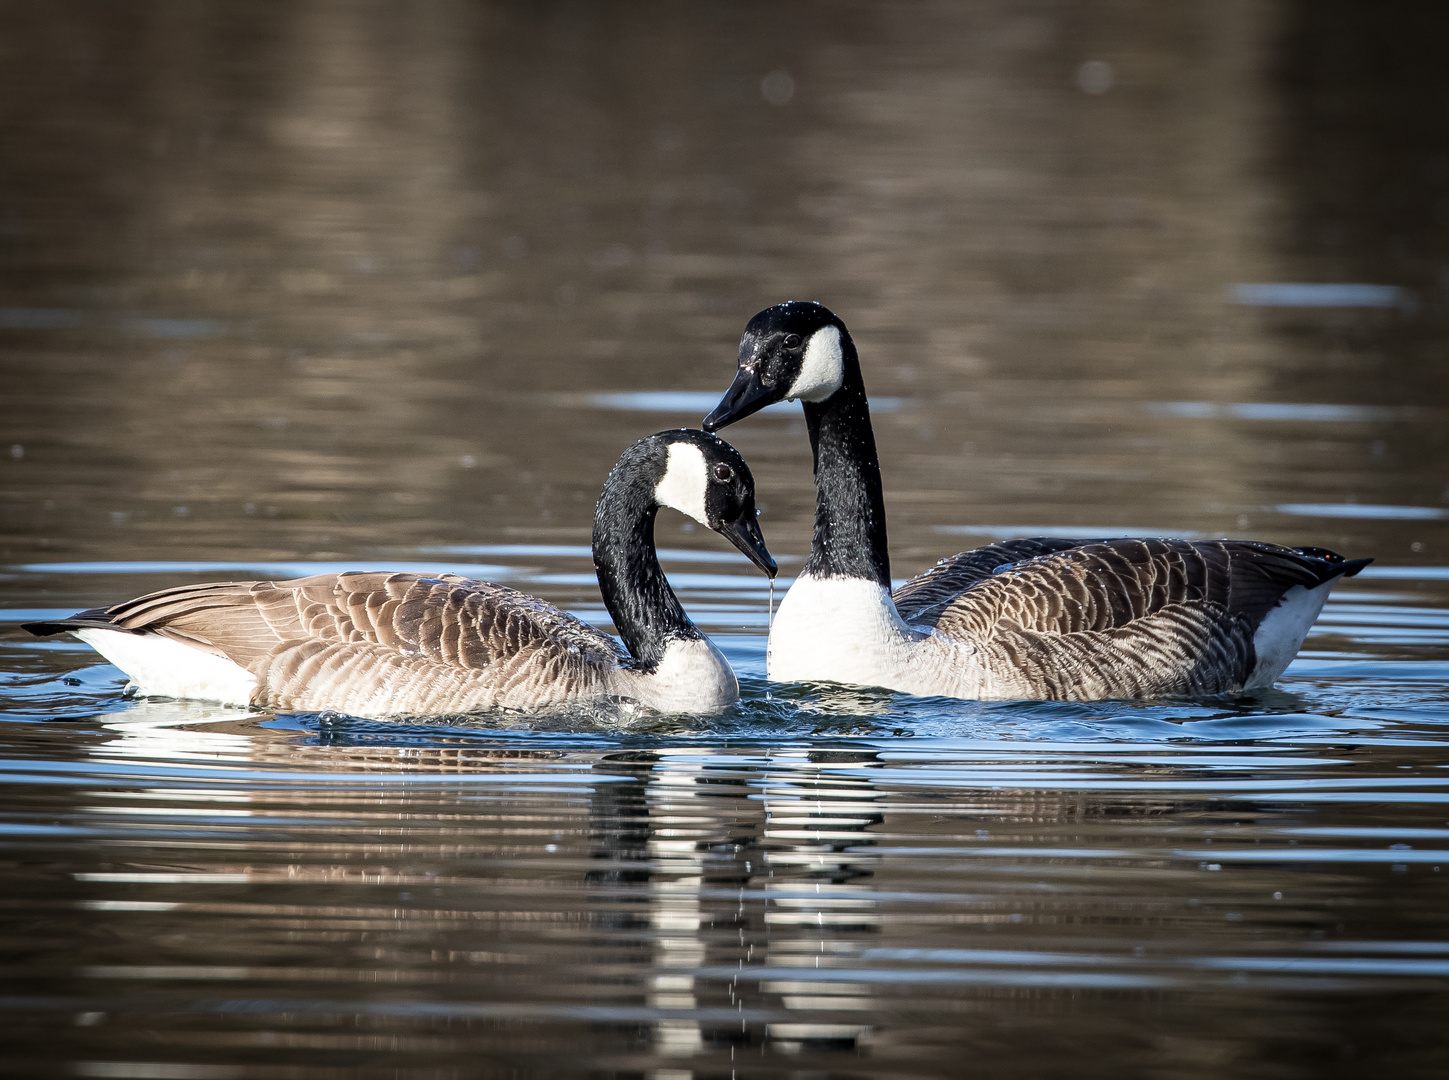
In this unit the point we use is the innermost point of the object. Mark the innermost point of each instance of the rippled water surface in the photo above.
(307, 286)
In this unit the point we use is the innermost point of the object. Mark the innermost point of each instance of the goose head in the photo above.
(705, 477)
(795, 350)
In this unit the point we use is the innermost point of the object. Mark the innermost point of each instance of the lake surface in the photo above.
(293, 287)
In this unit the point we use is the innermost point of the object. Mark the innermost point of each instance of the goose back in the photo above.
(1118, 618)
(378, 643)
(921, 599)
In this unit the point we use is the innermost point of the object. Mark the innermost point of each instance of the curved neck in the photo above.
(644, 608)
(850, 524)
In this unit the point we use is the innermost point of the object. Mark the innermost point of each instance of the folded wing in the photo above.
(376, 643)
(1116, 618)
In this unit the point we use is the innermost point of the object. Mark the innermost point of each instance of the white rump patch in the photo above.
(167, 668)
(682, 486)
(1280, 635)
(823, 369)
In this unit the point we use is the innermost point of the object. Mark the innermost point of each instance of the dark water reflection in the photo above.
(214, 893)
(289, 285)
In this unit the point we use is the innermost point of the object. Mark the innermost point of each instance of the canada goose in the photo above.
(379, 644)
(1041, 618)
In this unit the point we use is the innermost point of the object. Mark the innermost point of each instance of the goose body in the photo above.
(382, 644)
(1039, 618)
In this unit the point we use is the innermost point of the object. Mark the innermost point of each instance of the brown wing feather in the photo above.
(1118, 618)
(217, 616)
(1107, 585)
(946, 580)
(380, 642)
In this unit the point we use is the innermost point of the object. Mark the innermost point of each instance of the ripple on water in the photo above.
(815, 872)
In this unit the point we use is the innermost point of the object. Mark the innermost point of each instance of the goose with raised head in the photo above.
(1039, 618)
(381, 644)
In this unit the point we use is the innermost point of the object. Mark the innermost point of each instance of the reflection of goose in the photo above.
(1042, 618)
(379, 644)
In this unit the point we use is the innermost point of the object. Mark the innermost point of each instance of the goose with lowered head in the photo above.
(1041, 618)
(381, 644)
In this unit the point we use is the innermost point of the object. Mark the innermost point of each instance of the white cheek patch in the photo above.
(823, 368)
(682, 486)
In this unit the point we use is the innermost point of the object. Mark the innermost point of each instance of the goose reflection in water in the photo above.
(734, 892)
(728, 937)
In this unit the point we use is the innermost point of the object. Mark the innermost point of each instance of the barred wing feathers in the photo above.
(921, 598)
(1117, 618)
(378, 643)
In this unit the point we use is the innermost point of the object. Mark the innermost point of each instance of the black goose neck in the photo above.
(850, 524)
(644, 608)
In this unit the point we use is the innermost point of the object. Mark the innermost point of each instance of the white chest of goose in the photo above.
(1040, 618)
(381, 644)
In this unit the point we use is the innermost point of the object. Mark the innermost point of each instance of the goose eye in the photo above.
(723, 472)
(792, 341)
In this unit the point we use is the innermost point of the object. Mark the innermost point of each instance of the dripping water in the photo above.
(769, 625)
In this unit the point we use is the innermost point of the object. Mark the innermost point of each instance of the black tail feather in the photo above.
(1341, 567)
(94, 619)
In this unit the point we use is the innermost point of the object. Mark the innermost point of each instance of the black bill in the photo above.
(746, 396)
(744, 533)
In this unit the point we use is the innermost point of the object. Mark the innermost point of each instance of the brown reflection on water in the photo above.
(691, 906)
(306, 265)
